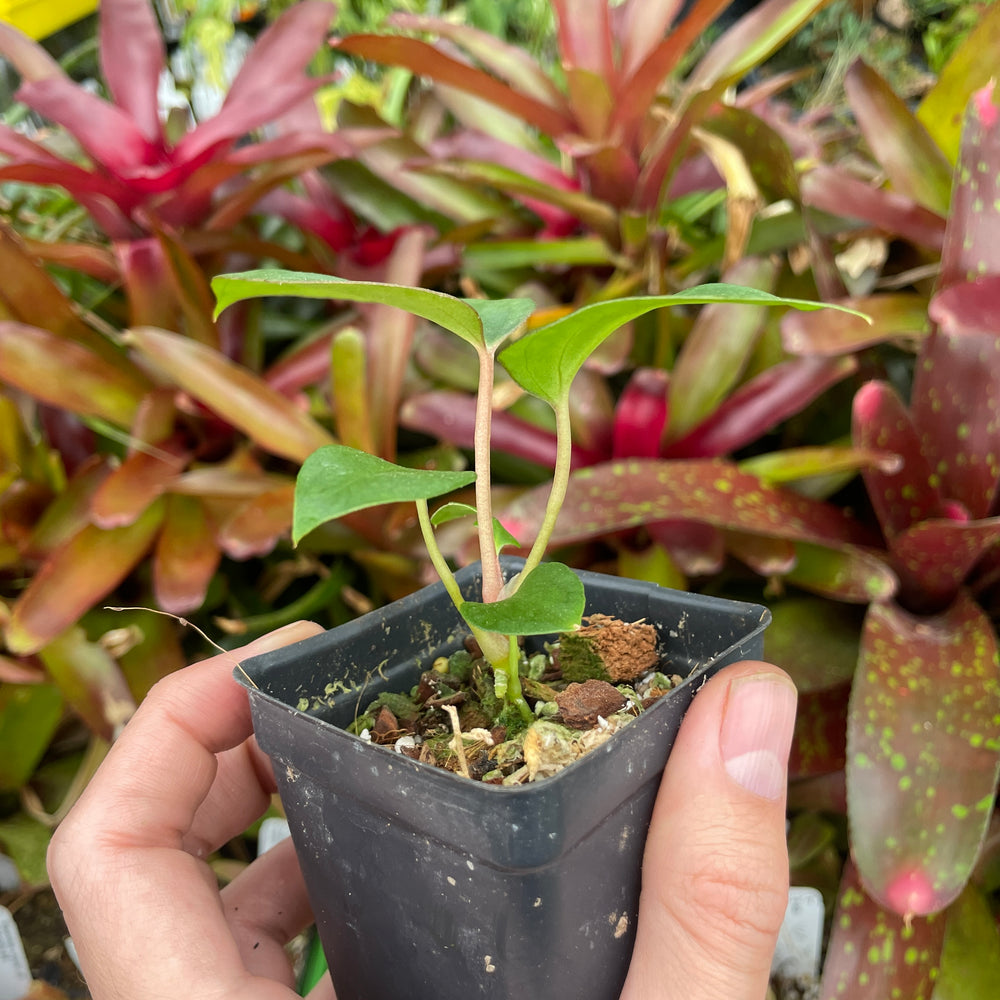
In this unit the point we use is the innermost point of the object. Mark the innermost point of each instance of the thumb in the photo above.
(715, 874)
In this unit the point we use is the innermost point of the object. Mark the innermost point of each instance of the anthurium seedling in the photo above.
(545, 597)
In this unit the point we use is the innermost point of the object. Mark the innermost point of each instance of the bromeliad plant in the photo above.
(337, 481)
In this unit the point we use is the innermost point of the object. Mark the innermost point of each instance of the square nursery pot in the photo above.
(429, 886)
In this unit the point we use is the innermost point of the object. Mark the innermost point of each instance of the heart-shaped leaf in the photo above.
(453, 511)
(546, 361)
(337, 480)
(549, 599)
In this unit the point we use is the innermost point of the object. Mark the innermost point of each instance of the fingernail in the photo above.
(757, 733)
(283, 636)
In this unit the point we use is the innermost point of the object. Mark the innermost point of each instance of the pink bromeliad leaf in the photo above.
(834, 190)
(923, 752)
(874, 953)
(186, 556)
(971, 249)
(915, 165)
(641, 414)
(912, 492)
(759, 405)
(956, 393)
(132, 58)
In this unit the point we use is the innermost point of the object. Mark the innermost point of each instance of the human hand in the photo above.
(715, 873)
(149, 921)
(127, 864)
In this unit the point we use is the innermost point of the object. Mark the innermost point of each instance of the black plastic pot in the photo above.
(429, 886)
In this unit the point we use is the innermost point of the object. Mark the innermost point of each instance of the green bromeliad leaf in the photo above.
(549, 599)
(337, 480)
(923, 752)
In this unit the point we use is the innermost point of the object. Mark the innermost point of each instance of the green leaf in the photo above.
(26, 842)
(337, 480)
(546, 361)
(970, 962)
(480, 322)
(29, 714)
(453, 511)
(549, 599)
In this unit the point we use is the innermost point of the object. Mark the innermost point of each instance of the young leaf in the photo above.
(453, 511)
(546, 361)
(550, 599)
(337, 480)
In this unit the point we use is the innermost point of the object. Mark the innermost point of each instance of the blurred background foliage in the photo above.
(843, 473)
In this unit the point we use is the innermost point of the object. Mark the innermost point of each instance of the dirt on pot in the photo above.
(583, 689)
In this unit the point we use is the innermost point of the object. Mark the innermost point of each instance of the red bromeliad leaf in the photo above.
(956, 394)
(256, 525)
(68, 375)
(70, 511)
(619, 495)
(819, 745)
(132, 58)
(191, 289)
(90, 681)
(911, 493)
(765, 556)
(902, 315)
(234, 393)
(971, 248)
(639, 91)
(761, 404)
(923, 752)
(915, 165)
(508, 62)
(270, 81)
(31, 296)
(934, 558)
(875, 953)
(834, 190)
(75, 577)
(717, 350)
(186, 556)
(697, 549)
(430, 61)
(640, 28)
(641, 415)
(142, 477)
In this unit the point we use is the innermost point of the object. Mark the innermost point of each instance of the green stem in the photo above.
(515, 696)
(560, 483)
(492, 577)
(493, 646)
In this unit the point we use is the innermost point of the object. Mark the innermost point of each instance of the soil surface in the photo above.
(43, 933)
(576, 695)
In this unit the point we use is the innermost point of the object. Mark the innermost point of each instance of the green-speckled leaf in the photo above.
(875, 954)
(337, 480)
(923, 752)
(956, 392)
(549, 599)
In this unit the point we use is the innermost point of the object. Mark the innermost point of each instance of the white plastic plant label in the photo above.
(800, 941)
(15, 976)
(273, 830)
